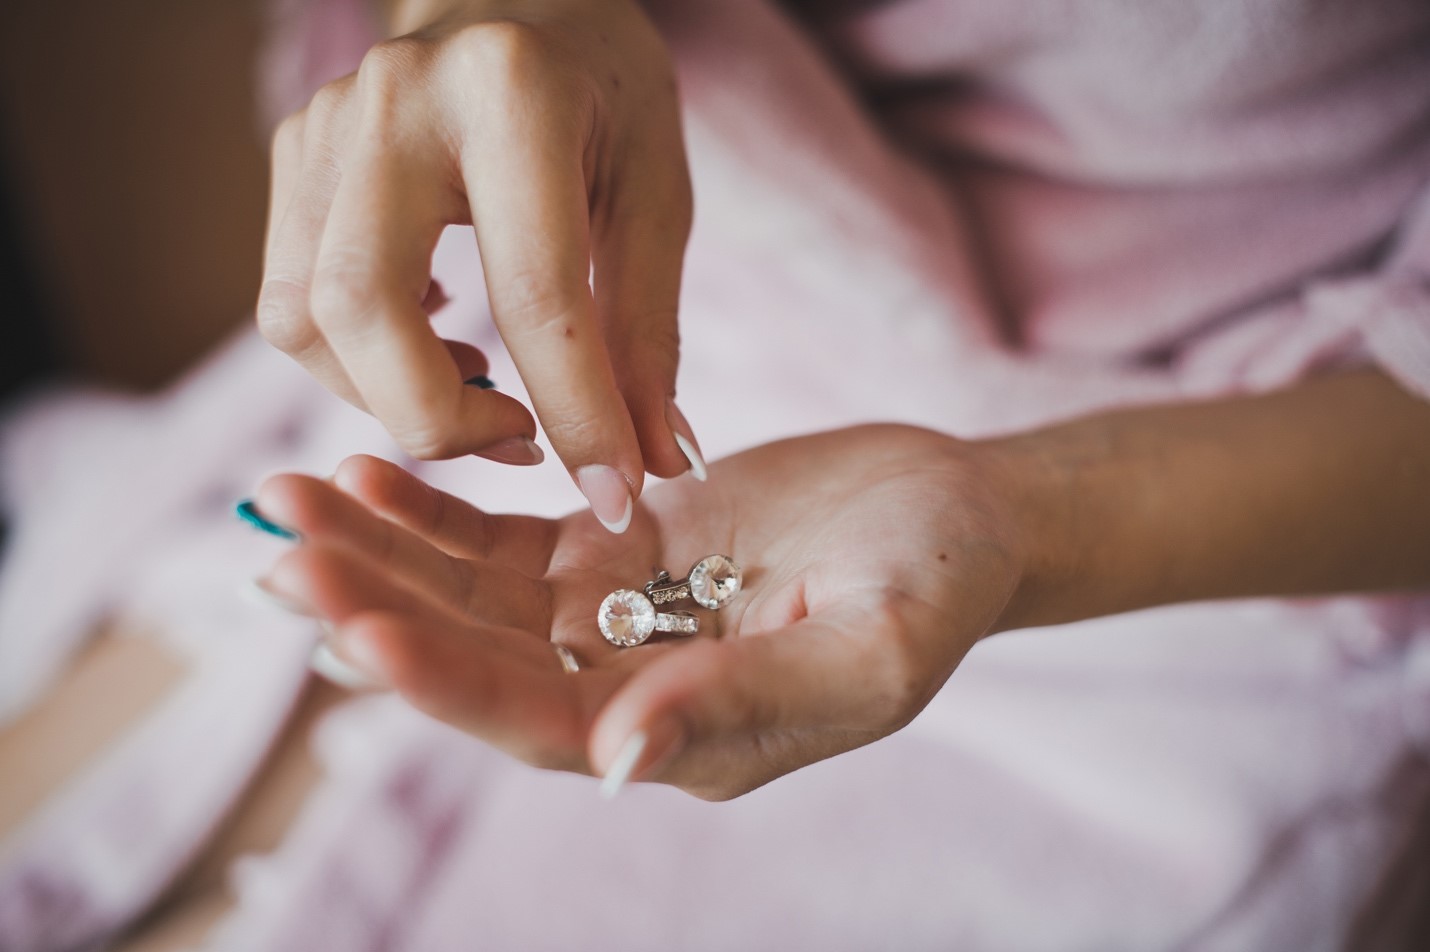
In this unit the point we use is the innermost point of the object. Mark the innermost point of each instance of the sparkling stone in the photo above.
(681, 623)
(715, 580)
(626, 618)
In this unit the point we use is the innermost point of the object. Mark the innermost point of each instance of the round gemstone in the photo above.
(714, 580)
(626, 618)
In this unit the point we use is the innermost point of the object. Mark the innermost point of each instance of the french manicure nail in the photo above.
(609, 495)
(481, 382)
(436, 298)
(685, 439)
(518, 451)
(248, 512)
(263, 589)
(620, 770)
(325, 662)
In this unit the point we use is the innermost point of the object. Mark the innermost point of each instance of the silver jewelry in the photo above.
(569, 664)
(627, 618)
(712, 582)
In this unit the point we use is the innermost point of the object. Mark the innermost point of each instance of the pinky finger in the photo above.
(537, 713)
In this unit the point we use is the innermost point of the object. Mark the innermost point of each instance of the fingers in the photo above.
(346, 287)
(325, 516)
(638, 255)
(371, 277)
(335, 584)
(523, 543)
(840, 672)
(529, 708)
(528, 195)
(305, 175)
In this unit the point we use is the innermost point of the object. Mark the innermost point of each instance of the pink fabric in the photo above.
(1153, 201)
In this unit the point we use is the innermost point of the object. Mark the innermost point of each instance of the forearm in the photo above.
(1319, 489)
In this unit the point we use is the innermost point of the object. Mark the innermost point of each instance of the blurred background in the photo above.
(132, 187)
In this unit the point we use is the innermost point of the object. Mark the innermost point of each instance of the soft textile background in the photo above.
(1114, 204)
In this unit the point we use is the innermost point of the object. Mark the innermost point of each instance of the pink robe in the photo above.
(975, 215)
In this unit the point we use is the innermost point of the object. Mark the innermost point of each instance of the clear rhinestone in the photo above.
(715, 580)
(626, 618)
(681, 623)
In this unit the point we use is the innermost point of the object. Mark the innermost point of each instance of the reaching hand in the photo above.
(874, 558)
(553, 128)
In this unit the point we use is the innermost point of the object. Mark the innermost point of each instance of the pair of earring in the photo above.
(627, 617)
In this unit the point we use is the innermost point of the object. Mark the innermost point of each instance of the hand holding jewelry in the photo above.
(883, 557)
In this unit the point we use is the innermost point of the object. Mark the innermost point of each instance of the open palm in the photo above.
(874, 558)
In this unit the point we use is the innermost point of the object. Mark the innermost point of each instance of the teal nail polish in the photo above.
(249, 513)
(484, 383)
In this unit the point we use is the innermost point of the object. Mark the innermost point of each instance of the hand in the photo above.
(874, 558)
(553, 128)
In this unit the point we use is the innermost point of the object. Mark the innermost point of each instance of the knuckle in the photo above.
(282, 317)
(500, 50)
(393, 59)
(578, 434)
(657, 343)
(391, 65)
(431, 441)
(540, 306)
(341, 296)
(330, 99)
(288, 137)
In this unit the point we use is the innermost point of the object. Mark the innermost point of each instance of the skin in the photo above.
(552, 128)
(876, 557)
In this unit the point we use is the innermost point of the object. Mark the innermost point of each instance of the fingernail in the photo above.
(620, 770)
(518, 451)
(325, 662)
(357, 656)
(248, 512)
(264, 592)
(484, 383)
(436, 298)
(643, 753)
(609, 495)
(685, 439)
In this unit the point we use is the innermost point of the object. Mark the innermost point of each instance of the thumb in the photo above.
(824, 673)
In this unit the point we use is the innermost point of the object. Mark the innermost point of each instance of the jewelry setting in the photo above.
(627, 618)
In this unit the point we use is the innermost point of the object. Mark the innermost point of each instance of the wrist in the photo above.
(1069, 499)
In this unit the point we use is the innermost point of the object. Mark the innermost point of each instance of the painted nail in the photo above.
(620, 770)
(436, 298)
(481, 382)
(357, 654)
(262, 590)
(248, 512)
(609, 494)
(685, 439)
(644, 753)
(518, 451)
(325, 662)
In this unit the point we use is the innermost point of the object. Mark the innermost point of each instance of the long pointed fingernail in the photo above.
(685, 439)
(620, 770)
(325, 662)
(481, 382)
(248, 512)
(518, 451)
(263, 591)
(609, 495)
(436, 298)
